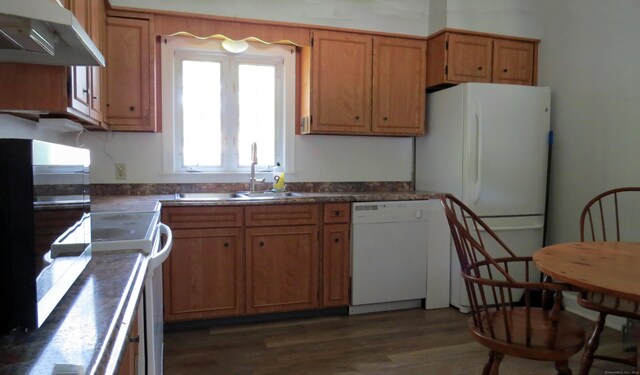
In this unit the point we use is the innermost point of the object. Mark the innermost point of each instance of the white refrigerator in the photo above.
(488, 144)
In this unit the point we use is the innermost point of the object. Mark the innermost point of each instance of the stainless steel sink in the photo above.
(269, 194)
(236, 195)
(207, 196)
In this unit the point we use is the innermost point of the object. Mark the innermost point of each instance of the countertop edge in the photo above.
(110, 360)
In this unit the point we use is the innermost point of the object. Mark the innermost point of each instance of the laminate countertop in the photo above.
(150, 202)
(89, 326)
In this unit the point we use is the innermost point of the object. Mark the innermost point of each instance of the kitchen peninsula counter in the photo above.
(90, 325)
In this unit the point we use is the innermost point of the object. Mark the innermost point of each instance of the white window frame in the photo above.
(173, 49)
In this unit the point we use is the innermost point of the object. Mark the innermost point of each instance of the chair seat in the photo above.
(568, 340)
(609, 305)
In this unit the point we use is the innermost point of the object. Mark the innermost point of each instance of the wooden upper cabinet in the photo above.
(86, 86)
(80, 95)
(98, 28)
(362, 84)
(341, 83)
(399, 76)
(73, 92)
(469, 58)
(512, 62)
(130, 94)
(456, 56)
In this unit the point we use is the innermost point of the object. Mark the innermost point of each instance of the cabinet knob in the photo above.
(336, 240)
(132, 108)
(505, 70)
(134, 339)
(226, 244)
(357, 117)
(261, 244)
(337, 213)
(479, 68)
(85, 91)
(94, 97)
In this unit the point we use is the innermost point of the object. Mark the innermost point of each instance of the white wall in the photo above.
(395, 16)
(317, 158)
(590, 55)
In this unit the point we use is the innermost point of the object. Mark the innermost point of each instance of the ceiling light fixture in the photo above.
(235, 46)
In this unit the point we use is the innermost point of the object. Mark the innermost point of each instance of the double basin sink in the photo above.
(237, 195)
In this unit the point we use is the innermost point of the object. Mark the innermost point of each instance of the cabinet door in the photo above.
(336, 259)
(513, 62)
(282, 268)
(129, 360)
(80, 95)
(203, 276)
(341, 83)
(129, 96)
(399, 86)
(95, 72)
(468, 58)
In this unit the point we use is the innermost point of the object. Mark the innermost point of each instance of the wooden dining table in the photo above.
(607, 267)
(611, 268)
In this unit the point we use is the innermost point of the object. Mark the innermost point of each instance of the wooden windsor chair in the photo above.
(613, 215)
(503, 316)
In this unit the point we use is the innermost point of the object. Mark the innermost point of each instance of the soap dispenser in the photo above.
(278, 177)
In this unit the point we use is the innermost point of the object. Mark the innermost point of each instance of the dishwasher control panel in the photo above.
(390, 211)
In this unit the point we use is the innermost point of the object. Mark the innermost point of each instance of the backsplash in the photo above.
(320, 187)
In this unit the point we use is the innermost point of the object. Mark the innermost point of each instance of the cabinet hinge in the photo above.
(446, 69)
(446, 45)
(310, 120)
(311, 42)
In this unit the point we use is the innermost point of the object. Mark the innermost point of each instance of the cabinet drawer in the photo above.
(202, 217)
(290, 214)
(337, 212)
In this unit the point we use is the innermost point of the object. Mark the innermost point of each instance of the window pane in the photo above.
(257, 101)
(201, 114)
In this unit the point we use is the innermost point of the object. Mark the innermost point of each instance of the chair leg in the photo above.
(495, 366)
(592, 345)
(487, 366)
(563, 367)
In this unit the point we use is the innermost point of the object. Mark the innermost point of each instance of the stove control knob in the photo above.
(418, 214)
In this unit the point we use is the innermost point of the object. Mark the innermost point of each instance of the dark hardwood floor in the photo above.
(401, 342)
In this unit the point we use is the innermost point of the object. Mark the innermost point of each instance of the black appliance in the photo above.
(44, 198)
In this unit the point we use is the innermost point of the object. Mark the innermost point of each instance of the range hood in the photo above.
(43, 32)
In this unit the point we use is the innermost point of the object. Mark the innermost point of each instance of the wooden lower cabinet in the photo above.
(234, 260)
(129, 360)
(204, 274)
(336, 260)
(282, 268)
(336, 254)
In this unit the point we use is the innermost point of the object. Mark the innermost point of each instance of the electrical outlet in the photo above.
(121, 171)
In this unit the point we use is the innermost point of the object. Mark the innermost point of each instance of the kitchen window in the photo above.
(218, 103)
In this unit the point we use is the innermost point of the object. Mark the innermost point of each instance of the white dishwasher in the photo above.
(389, 255)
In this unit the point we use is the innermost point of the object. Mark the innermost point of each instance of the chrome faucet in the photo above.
(254, 161)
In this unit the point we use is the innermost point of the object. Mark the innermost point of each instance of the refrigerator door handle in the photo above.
(516, 227)
(478, 153)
